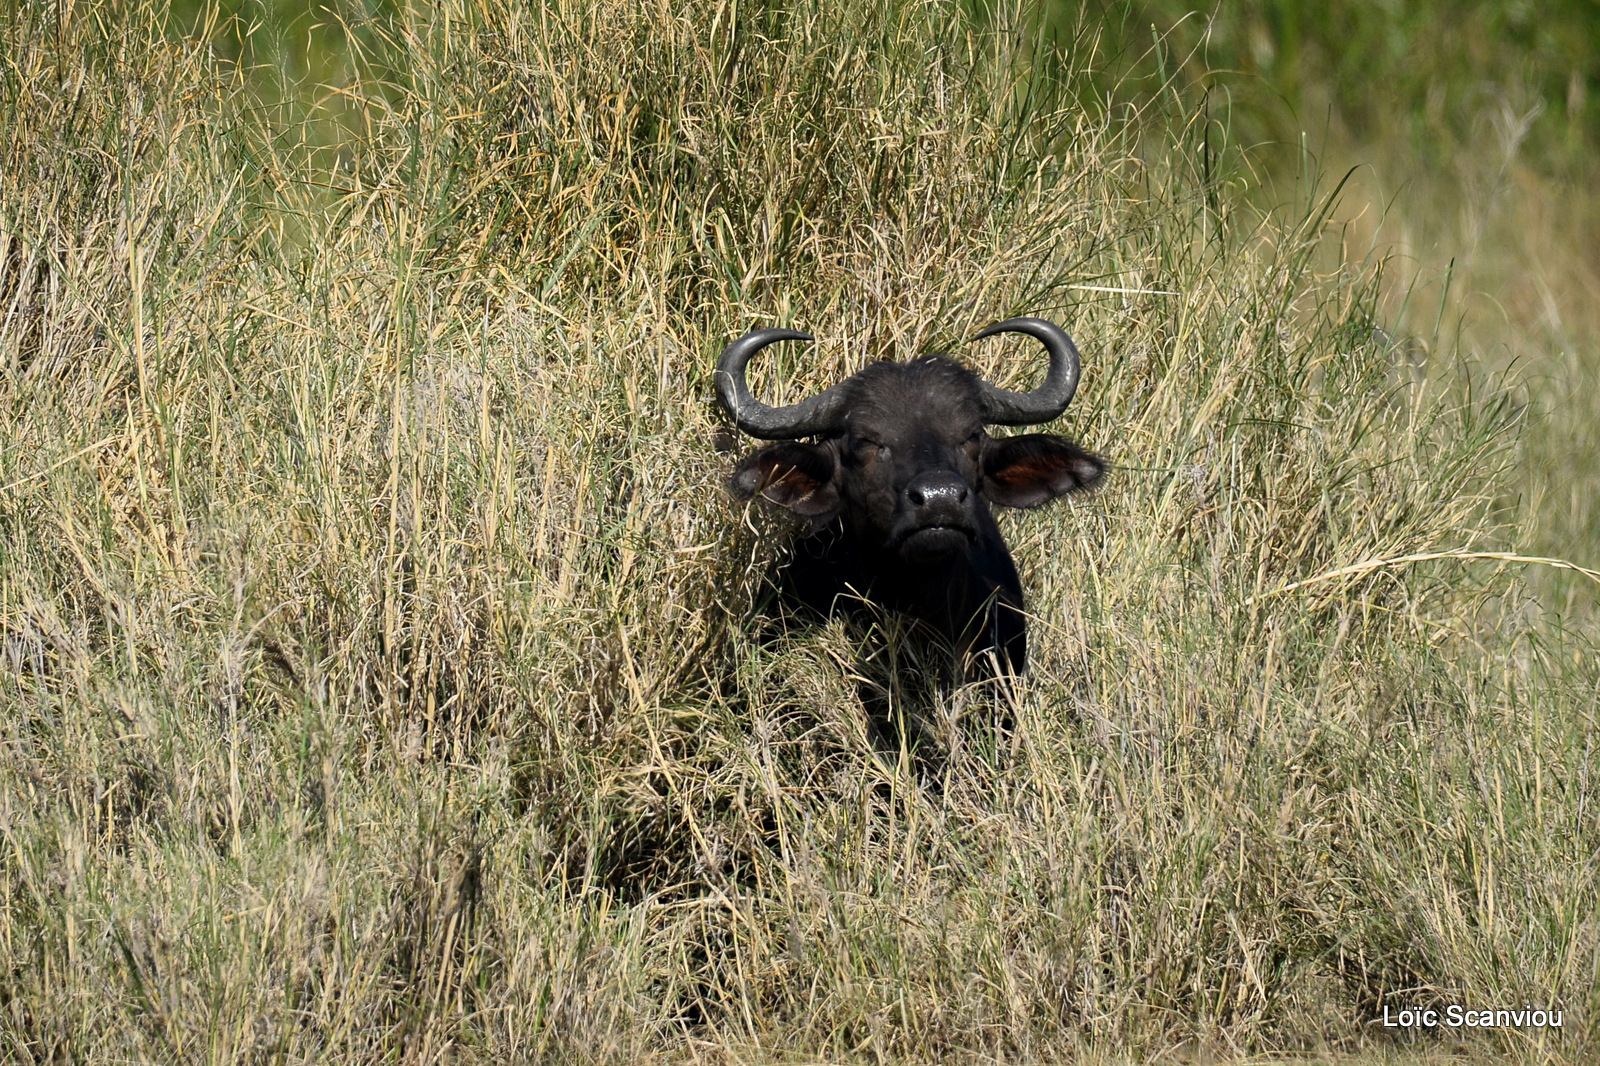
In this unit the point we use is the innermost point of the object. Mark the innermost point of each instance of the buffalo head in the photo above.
(897, 478)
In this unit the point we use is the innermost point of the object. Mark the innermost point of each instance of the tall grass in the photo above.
(1473, 159)
(382, 680)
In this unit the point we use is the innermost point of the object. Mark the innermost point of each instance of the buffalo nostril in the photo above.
(916, 496)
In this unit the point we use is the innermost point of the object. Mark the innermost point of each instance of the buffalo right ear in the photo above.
(1032, 469)
(793, 475)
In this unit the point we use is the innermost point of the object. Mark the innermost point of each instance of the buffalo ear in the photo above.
(793, 475)
(1035, 468)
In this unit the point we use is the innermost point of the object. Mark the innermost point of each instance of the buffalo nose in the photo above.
(935, 489)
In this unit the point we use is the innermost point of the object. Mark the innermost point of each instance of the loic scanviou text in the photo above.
(1456, 1016)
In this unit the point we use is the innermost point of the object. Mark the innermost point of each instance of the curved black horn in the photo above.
(819, 414)
(1006, 408)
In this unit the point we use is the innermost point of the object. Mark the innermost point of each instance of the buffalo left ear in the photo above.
(1035, 468)
(798, 476)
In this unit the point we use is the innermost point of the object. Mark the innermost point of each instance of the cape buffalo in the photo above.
(897, 479)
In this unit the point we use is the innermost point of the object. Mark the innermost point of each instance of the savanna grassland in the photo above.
(387, 675)
(1467, 134)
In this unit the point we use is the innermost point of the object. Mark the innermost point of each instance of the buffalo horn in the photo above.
(819, 414)
(1006, 408)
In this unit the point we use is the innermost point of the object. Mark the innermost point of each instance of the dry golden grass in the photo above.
(1496, 260)
(382, 680)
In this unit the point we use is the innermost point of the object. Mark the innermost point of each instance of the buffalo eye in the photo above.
(866, 450)
(974, 443)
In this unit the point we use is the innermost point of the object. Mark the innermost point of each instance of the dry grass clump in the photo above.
(384, 678)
